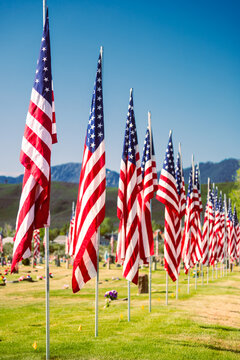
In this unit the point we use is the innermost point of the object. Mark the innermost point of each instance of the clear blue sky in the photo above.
(181, 57)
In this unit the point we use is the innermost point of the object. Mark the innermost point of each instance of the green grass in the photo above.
(202, 325)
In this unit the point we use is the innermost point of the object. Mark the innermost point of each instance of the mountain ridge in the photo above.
(223, 171)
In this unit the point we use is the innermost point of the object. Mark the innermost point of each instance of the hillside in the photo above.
(223, 171)
(62, 196)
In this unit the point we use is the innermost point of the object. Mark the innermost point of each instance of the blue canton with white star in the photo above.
(146, 151)
(235, 218)
(95, 129)
(216, 207)
(178, 174)
(230, 215)
(190, 184)
(168, 163)
(130, 139)
(196, 179)
(220, 205)
(43, 78)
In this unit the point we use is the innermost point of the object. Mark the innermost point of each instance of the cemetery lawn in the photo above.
(202, 325)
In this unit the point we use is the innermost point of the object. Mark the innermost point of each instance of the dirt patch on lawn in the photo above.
(214, 309)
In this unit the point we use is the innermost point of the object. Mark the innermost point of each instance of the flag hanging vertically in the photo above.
(39, 135)
(181, 183)
(149, 187)
(69, 239)
(188, 240)
(235, 234)
(130, 182)
(168, 195)
(196, 238)
(182, 206)
(207, 228)
(90, 208)
(36, 246)
(112, 244)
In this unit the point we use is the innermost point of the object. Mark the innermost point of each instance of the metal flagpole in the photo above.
(180, 155)
(177, 286)
(196, 267)
(47, 258)
(150, 284)
(47, 292)
(97, 277)
(208, 240)
(193, 170)
(96, 284)
(129, 301)
(150, 258)
(201, 220)
(225, 237)
(166, 287)
(213, 225)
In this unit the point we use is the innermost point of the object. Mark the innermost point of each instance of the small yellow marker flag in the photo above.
(34, 345)
(80, 328)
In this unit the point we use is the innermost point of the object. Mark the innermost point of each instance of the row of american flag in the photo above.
(137, 185)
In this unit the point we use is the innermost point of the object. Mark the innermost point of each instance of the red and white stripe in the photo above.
(130, 182)
(168, 195)
(149, 187)
(90, 207)
(69, 240)
(36, 238)
(35, 156)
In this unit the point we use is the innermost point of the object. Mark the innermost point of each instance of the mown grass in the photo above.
(202, 325)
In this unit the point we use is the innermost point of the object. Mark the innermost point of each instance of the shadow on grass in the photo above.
(206, 346)
(216, 327)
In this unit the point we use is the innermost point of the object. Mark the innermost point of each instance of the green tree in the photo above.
(235, 193)
(106, 226)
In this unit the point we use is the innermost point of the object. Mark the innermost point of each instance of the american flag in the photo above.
(180, 184)
(168, 195)
(196, 238)
(188, 234)
(207, 228)
(149, 184)
(182, 206)
(90, 208)
(216, 230)
(112, 244)
(36, 247)
(39, 135)
(235, 233)
(69, 240)
(221, 231)
(130, 181)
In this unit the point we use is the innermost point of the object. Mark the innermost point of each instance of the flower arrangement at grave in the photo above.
(110, 296)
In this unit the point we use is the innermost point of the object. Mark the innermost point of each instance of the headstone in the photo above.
(143, 284)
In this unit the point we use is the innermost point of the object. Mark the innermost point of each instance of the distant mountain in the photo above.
(224, 171)
(69, 172)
